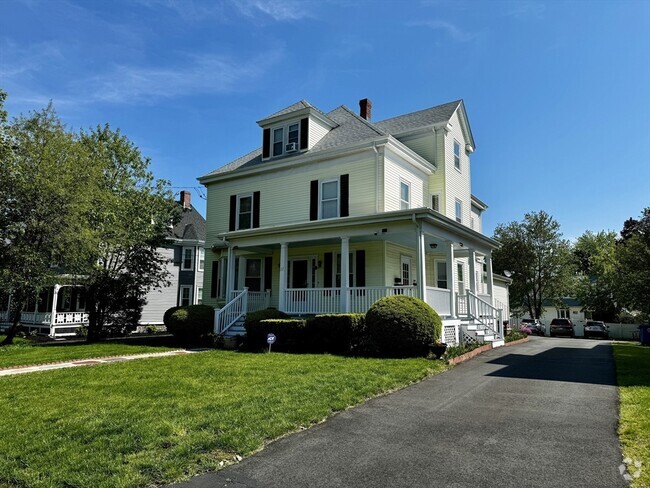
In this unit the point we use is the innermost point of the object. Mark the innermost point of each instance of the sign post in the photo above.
(270, 339)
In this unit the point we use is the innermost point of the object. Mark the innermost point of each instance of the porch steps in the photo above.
(479, 333)
(236, 329)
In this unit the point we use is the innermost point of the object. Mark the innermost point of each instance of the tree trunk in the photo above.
(15, 325)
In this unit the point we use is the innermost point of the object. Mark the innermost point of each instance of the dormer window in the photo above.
(292, 138)
(278, 140)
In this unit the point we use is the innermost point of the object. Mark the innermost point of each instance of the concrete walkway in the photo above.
(541, 414)
(91, 362)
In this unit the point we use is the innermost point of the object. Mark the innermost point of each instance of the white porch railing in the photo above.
(236, 308)
(440, 300)
(482, 312)
(257, 300)
(362, 297)
(35, 318)
(70, 318)
(312, 301)
(462, 308)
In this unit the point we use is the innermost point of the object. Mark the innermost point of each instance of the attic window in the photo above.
(457, 155)
(278, 139)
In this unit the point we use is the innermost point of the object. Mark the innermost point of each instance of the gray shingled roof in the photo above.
(351, 129)
(422, 118)
(291, 108)
(190, 227)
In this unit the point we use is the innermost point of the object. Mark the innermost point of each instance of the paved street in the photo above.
(542, 413)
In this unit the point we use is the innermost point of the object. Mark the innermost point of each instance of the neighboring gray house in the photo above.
(186, 255)
(61, 309)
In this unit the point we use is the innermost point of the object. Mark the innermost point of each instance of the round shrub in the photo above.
(401, 326)
(192, 323)
(255, 333)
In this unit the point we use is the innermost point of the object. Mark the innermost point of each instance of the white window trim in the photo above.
(180, 295)
(261, 276)
(431, 201)
(285, 137)
(183, 268)
(441, 264)
(196, 294)
(320, 198)
(458, 216)
(405, 260)
(408, 202)
(460, 162)
(239, 198)
(461, 265)
(200, 251)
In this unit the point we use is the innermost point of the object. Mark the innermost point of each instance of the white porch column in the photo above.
(345, 274)
(490, 282)
(284, 262)
(451, 280)
(230, 274)
(241, 280)
(55, 299)
(472, 271)
(422, 264)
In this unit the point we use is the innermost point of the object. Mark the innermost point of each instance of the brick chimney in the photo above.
(186, 200)
(365, 111)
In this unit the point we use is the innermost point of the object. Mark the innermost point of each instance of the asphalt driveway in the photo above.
(539, 414)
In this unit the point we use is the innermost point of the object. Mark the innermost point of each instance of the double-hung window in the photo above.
(186, 295)
(292, 136)
(457, 155)
(187, 263)
(351, 268)
(435, 202)
(278, 141)
(459, 211)
(201, 259)
(253, 278)
(329, 199)
(441, 274)
(244, 212)
(404, 195)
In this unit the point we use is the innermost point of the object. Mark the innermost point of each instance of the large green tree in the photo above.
(539, 259)
(83, 207)
(130, 217)
(43, 189)
(633, 273)
(597, 266)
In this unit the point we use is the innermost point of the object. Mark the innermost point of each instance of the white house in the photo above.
(334, 211)
(61, 309)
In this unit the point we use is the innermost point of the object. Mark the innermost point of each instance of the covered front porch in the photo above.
(58, 312)
(421, 254)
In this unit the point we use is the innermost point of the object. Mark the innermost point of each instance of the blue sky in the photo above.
(557, 93)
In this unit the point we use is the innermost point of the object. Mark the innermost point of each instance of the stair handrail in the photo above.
(231, 312)
(480, 310)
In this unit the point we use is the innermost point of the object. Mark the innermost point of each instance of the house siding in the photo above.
(424, 145)
(285, 194)
(457, 183)
(394, 253)
(476, 215)
(397, 169)
(317, 130)
(165, 297)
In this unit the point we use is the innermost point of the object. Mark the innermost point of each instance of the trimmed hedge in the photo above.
(402, 326)
(290, 334)
(191, 323)
(337, 333)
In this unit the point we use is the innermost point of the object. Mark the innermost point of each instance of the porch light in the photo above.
(433, 245)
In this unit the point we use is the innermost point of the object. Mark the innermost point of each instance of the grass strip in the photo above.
(633, 372)
(156, 421)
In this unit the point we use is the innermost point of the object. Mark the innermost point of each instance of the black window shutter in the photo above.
(268, 272)
(327, 270)
(256, 210)
(313, 201)
(215, 279)
(345, 195)
(304, 133)
(266, 143)
(233, 212)
(361, 267)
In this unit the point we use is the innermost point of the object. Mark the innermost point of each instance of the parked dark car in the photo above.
(532, 326)
(593, 328)
(562, 327)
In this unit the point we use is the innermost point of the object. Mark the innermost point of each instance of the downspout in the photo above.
(374, 148)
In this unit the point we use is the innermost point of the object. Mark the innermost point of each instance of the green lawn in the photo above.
(633, 371)
(155, 421)
(24, 352)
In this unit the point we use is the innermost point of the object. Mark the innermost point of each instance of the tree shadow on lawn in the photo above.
(570, 364)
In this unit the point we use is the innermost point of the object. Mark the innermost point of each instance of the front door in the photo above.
(406, 270)
(299, 275)
(460, 278)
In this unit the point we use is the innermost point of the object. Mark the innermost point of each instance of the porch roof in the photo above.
(433, 223)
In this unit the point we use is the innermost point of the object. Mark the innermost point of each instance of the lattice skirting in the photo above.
(468, 339)
(449, 334)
